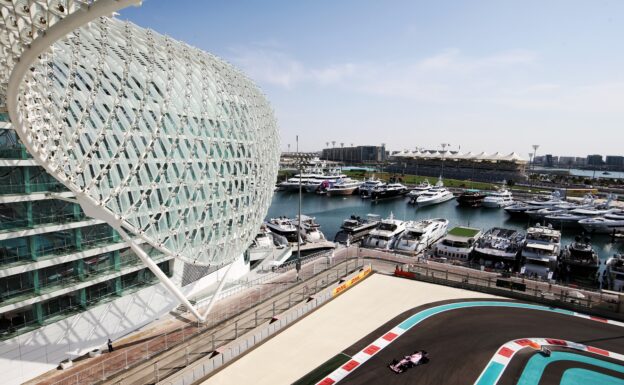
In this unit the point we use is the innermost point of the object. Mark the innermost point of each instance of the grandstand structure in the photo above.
(493, 167)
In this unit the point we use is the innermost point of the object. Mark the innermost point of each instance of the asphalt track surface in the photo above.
(461, 342)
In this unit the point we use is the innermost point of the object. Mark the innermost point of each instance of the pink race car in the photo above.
(417, 358)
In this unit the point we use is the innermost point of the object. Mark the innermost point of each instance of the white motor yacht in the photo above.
(284, 227)
(436, 195)
(325, 180)
(367, 187)
(521, 208)
(385, 234)
(541, 250)
(311, 231)
(356, 228)
(265, 244)
(607, 224)
(344, 186)
(419, 235)
(419, 189)
(306, 179)
(573, 217)
(496, 199)
(614, 273)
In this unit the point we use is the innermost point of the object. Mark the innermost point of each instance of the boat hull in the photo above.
(430, 202)
(342, 192)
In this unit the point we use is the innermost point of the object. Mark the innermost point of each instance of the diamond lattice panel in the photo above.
(173, 140)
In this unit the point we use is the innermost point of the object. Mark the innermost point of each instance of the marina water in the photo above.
(331, 211)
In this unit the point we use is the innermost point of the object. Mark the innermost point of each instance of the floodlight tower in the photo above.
(535, 147)
(444, 145)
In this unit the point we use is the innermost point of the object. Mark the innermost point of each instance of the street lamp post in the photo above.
(298, 263)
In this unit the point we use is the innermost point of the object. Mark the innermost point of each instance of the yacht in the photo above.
(355, 228)
(436, 195)
(614, 273)
(471, 198)
(385, 234)
(264, 245)
(521, 208)
(499, 248)
(540, 251)
(388, 191)
(608, 224)
(419, 235)
(573, 217)
(563, 207)
(284, 227)
(325, 179)
(496, 199)
(312, 239)
(367, 187)
(310, 230)
(419, 189)
(579, 263)
(306, 177)
(458, 243)
(345, 186)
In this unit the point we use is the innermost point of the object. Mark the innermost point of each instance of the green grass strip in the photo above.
(323, 370)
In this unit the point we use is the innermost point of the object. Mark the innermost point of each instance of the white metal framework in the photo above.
(161, 140)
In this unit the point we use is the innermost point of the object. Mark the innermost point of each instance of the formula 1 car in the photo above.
(419, 357)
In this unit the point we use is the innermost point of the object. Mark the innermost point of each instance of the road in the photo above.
(461, 342)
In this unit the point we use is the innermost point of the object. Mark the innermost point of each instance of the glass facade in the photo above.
(19, 214)
(30, 317)
(175, 142)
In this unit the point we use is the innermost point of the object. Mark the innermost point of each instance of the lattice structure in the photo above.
(156, 137)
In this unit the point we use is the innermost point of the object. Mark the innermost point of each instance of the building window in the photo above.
(15, 286)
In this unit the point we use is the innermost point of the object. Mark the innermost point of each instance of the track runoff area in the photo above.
(484, 342)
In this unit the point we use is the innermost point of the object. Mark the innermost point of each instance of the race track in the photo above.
(461, 342)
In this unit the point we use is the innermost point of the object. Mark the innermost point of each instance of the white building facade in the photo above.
(134, 171)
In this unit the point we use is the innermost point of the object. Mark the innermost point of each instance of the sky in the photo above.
(481, 75)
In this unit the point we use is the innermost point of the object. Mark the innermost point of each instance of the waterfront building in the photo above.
(615, 161)
(595, 160)
(482, 167)
(171, 152)
(355, 155)
(550, 160)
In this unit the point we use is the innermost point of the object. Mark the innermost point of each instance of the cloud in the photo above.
(504, 78)
(268, 64)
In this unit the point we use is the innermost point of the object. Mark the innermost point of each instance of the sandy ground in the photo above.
(334, 327)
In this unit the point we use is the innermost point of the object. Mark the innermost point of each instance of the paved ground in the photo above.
(327, 331)
(461, 342)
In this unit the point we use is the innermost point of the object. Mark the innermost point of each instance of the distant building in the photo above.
(594, 160)
(615, 160)
(551, 160)
(567, 161)
(357, 154)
